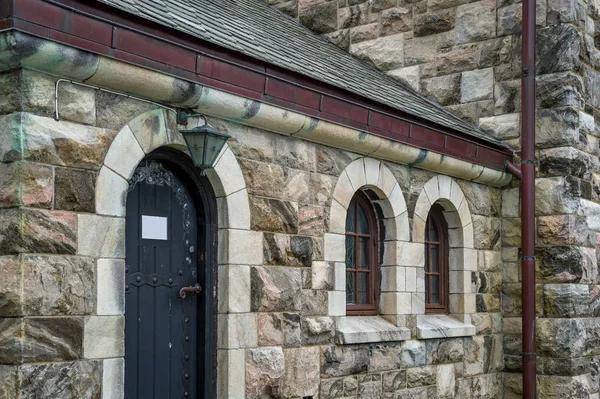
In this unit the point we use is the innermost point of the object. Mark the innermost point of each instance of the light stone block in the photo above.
(397, 200)
(468, 236)
(444, 185)
(336, 303)
(464, 213)
(111, 193)
(100, 236)
(235, 286)
(356, 173)
(477, 85)
(462, 303)
(431, 326)
(432, 190)
(463, 259)
(445, 381)
(368, 329)
(231, 366)
(411, 279)
(241, 247)
(409, 75)
(422, 206)
(343, 191)
(337, 218)
(110, 287)
(459, 282)
(418, 231)
(511, 202)
(104, 337)
(150, 130)
(395, 303)
(456, 195)
(113, 378)
(420, 279)
(387, 181)
(403, 227)
(238, 330)
(389, 253)
(452, 219)
(340, 276)
(226, 176)
(411, 254)
(334, 247)
(418, 302)
(237, 210)
(372, 170)
(389, 278)
(124, 153)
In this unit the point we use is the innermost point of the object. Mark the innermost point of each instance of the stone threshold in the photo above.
(442, 326)
(368, 329)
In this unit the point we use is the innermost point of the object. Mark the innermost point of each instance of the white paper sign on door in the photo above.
(154, 227)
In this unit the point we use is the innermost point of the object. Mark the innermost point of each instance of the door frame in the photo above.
(204, 200)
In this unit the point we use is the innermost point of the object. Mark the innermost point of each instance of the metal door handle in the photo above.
(192, 290)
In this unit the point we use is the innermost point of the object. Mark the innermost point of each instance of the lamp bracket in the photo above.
(183, 115)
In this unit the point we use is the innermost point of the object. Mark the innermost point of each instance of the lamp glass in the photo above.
(205, 144)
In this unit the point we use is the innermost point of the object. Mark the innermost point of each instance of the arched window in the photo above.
(362, 266)
(436, 261)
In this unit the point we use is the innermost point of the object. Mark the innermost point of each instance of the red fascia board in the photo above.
(255, 79)
(6, 9)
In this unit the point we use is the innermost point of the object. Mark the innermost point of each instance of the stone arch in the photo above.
(371, 174)
(444, 191)
(103, 236)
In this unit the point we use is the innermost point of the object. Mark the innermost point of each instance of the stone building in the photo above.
(354, 239)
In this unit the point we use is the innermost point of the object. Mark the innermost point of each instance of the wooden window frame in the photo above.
(371, 308)
(436, 217)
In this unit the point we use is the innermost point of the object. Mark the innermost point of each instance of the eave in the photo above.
(113, 34)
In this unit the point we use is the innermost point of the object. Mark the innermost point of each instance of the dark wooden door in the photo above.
(162, 333)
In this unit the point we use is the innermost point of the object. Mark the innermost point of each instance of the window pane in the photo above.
(363, 226)
(426, 258)
(362, 255)
(433, 232)
(435, 260)
(350, 294)
(350, 217)
(435, 289)
(350, 252)
(363, 288)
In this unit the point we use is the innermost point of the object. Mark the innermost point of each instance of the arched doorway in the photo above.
(170, 296)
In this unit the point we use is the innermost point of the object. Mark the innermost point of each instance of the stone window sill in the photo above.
(368, 329)
(442, 326)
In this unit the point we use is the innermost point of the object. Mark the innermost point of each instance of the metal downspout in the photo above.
(528, 198)
(527, 176)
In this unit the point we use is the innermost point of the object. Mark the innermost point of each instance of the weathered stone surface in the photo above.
(420, 50)
(558, 48)
(332, 388)
(320, 17)
(284, 250)
(501, 127)
(114, 111)
(566, 300)
(365, 32)
(275, 288)
(444, 89)
(393, 381)
(562, 230)
(273, 181)
(507, 96)
(273, 215)
(52, 339)
(321, 188)
(246, 141)
(592, 83)
(25, 183)
(414, 353)
(288, 7)
(74, 190)
(301, 372)
(557, 127)
(9, 382)
(295, 153)
(332, 161)
(496, 51)
(292, 330)
(512, 304)
(270, 329)
(339, 361)
(560, 337)
(11, 297)
(369, 386)
(355, 15)
(457, 59)
(475, 22)
(82, 379)
(36, 231)
(567, 161)
(47, 141)
(101, 236)
(482, 199)
(435, 22)
(385, 357)
(10, 92)
(340, 38)
(77, 103)
(444, 351)
(409, 76)
(509, 19)
(314, 302)
(486, 232)
(420, 376)
(317, 330)
(562, 264)
(559, 197)
(395, 20)
(384, 53)
(472, 112)
(477, 85)
(264, 372)
(560, 90)
(58, 285)
(311, 220)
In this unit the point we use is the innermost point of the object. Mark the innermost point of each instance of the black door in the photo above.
(164, 336)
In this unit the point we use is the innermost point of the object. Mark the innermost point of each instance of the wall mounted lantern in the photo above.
(204, 142)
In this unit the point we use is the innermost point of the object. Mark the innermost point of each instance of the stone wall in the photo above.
(466, 56)
(61, 246)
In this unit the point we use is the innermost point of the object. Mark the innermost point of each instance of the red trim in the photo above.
(107, 31)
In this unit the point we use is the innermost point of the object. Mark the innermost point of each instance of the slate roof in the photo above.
(253, 28)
